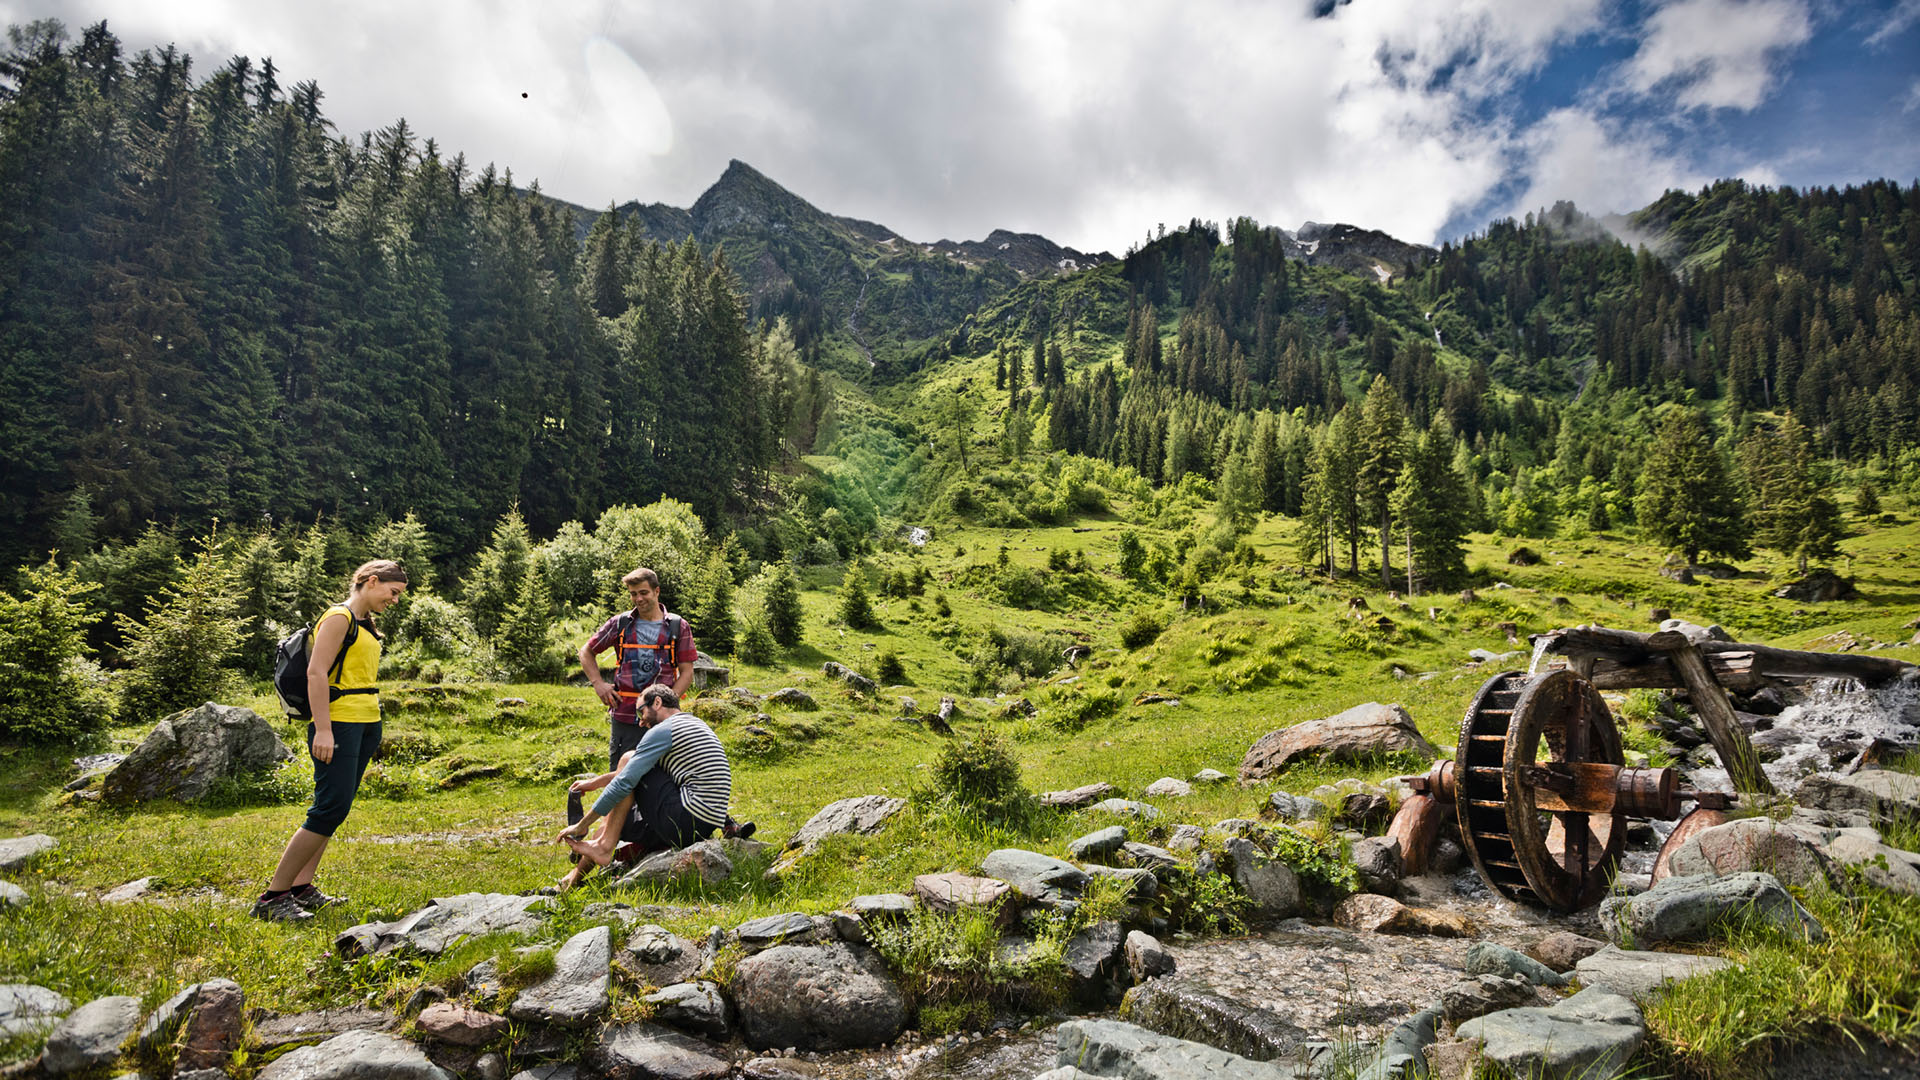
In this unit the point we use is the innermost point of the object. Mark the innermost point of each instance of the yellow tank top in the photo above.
(361, 670)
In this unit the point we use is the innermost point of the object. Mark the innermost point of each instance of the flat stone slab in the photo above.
(1593, 1033)
(17, 851)
(1126, 808)
(950, 892)
(1075, 798)
(1640, 974)
(575, 994)
(310, 1027)
(448, 920)
(356, 1055)
(1169, 787)
(792, 927)
(25, 1009)
(1114, 1048)
(1186, 1009)
(647, 1051)
(884, 907)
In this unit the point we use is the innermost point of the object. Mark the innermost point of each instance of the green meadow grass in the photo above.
(1276, 647)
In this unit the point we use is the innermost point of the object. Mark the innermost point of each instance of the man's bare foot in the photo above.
(572, 879)
(589, 852)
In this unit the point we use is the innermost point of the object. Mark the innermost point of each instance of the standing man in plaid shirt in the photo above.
(654, 646)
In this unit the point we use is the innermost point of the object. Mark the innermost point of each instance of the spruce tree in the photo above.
(784, 613)
(1430, 503)
(716, 624)
(1686, 501)
(855, 609)
(500, 574)
(1790, 513)
(1379, 464)
(520, 644)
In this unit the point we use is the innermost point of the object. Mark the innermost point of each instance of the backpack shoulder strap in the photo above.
(339, 664)
(670, 626)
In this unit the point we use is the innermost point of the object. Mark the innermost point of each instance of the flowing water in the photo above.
(1838, 719)
(1539, 650)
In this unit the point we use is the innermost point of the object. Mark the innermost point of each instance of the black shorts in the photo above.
(658, 820)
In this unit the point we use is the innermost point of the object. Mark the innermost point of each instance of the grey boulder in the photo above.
(1364, 731)
(660, 957)
(1040, 878)
(184, 754)
(828, 998)
(1591, 1034)
(1788, 850)
(1488, 958)
(862, 815)
(1479, 995)
(1696, 908)
(356, 1055)
(575, 994)
(1146, 957)
(1881, 792)
(91, 1036)
(1099, 844)
(792, 928)
(17, 851)
(692, 1006)
(1126, 808)
(12, 895)
(1272, 885)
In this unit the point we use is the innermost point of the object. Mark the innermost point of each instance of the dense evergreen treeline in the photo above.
(211, 307)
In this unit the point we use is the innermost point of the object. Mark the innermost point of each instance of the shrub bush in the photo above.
(46, 694)
(980, 775)
(887, 669)
(1143, 629)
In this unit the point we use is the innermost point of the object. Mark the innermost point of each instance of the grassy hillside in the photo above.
(1276, 648)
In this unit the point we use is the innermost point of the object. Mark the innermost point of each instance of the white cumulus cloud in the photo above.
(1720, 54)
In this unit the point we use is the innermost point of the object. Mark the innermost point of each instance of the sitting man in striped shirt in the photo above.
(670, 791)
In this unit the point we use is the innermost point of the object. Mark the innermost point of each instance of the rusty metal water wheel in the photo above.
(1522, 745)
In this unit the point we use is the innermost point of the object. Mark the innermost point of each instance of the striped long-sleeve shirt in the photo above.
(691, 753)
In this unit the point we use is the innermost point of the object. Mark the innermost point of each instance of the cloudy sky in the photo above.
(1092, 122)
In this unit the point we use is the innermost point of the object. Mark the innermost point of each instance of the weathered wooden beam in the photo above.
(1733, 670)
(1632, 650)
(1710, 703)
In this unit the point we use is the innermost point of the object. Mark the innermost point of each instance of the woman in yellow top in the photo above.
(343, 736)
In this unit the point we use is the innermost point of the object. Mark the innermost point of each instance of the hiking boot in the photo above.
(310, 898)
(737, 830)
(283, 908)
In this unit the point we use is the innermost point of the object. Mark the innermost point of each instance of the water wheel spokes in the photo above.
(1522, 787)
